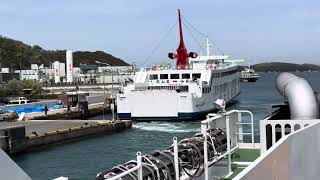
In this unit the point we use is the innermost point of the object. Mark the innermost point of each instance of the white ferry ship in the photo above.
(185, 92)
(249, 75)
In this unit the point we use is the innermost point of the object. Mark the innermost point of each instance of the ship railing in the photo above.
(294, 156)
(272, 131)
(137, 168)
(157, 68)
(232, 122)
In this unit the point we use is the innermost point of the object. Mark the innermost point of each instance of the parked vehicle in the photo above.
(2, 116)
(19, 100)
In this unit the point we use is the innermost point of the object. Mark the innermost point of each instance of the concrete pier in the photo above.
(40, 133)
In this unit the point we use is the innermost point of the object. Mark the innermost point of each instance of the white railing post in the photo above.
(263, 136)
(252, 129)
(273, 134)
(252, 125)
(204, 128)
(228, 145)
(176, 157)
(240, 136)
(139, 164)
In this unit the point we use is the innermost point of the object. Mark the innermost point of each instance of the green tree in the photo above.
(20, 55)
(35, 86)
(13, 87)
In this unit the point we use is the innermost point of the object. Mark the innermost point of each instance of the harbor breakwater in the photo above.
(26, 136)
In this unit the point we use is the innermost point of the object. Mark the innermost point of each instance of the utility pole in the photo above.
(1, 75)
(112, 104)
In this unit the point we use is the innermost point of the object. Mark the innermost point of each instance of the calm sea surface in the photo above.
(84, 159)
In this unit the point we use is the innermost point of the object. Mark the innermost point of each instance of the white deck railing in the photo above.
(137, 168)
(234, 134)
(231, 121)
(295, 156)
(272, 130)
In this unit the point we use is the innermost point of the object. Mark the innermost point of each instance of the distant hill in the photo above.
(16, 54)
(280, 67)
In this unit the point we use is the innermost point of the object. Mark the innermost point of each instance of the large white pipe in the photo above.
(56, 67)
(69, 63)
(300, 95)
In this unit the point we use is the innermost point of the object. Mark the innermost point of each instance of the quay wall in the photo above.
(17, 139)
(75, 133)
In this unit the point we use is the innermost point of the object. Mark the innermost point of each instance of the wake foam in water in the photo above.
(167, 127)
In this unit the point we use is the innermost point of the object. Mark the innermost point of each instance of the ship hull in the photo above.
(176, 100)
(181, 116)
(191, 116)
(249, 79)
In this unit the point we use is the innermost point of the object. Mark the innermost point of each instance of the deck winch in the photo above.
(160, 163)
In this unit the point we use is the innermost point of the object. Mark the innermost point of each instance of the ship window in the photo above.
(205, 90)
(182, 89)
(14, 102)
(174, 76)
(153, 76)
(196, 76)
(163, 76)
(185, 76)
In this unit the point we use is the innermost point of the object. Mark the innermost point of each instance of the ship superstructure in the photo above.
(184, 92)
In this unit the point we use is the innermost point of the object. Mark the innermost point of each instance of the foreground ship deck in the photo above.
(247, 160)
(286, 149)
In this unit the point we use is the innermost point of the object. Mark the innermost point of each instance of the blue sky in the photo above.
(255, 30)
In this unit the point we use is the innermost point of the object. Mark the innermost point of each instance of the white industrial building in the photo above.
(65, 72)
(4, 70)
(69, 61)
(30, 74)
(115, 68)
(48, 73)
(36, 66)
(114, 79)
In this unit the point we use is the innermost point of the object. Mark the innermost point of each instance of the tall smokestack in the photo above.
(56, 66)
(69, 63)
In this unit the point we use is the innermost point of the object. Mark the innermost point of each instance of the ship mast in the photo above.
(181, 45)
(182, 55)
(208, 47)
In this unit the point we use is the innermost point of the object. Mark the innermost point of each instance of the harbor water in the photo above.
(84, 159)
